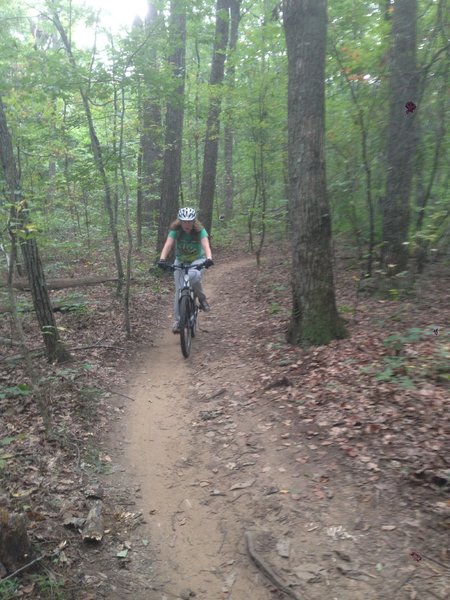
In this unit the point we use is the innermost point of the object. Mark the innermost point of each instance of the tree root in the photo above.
(267, 570)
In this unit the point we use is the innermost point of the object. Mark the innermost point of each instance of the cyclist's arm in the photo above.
(167, 248)
(206, 247)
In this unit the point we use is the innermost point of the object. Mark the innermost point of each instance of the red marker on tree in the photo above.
(410, 107)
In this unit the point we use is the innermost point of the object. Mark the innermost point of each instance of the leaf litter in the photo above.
(379, 429)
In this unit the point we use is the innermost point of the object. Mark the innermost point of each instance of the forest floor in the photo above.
(251, 466)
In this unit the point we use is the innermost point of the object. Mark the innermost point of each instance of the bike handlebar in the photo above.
(182, 266)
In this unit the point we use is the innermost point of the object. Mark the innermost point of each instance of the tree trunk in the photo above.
(98, 156)
(15, 545)
(19, 232)
(228, 137)
(139, 207)
(208, 186)
(151, 133)
(171, 179)
(314, 317)
(401, 140)
(364, 131)
(424, 192)
(151, 157)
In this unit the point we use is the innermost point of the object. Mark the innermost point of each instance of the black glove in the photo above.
(163, 264)
(208, 263)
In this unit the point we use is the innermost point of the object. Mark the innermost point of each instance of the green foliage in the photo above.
(275, 308)
(9, 589)
(12, 438)
(15, 391)
(393, 366)
(49, 586)
(93, 462)
(345, 309)
(394, 294)
(408, 369)
(398, 341)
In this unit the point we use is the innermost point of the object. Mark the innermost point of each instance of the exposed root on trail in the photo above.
(268, 571)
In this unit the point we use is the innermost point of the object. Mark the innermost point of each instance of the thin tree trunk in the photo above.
(126, 297)
(171, 179)
(228, 137)
(314, 316)
(56, 351)
(208, 186)
(38, 392)
(253, 208)
(441, 129)
(98, 156)
(197, 122)
(263, 197)
(139, 209)
(401, 138)
(366, 163)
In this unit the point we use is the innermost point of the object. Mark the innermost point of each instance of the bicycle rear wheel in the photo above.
(185, 325)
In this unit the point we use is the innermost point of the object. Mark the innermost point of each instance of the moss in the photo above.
(315, 330)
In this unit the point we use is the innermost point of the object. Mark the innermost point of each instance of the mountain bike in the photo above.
(188, 306)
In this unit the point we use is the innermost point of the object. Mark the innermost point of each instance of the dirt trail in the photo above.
(210, 457)
(187, 533)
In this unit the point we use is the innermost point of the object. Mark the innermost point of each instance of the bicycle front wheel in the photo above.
(185, 325)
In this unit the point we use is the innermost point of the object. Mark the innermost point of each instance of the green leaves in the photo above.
(15, 391)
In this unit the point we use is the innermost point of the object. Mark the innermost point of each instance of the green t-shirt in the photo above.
(188, 249)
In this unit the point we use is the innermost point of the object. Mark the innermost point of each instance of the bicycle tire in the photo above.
(194, 321)
(185, 326)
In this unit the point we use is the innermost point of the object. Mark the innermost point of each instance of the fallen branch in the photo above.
(22, 568)
(267, 570)
(38, 351)
(59, 284)
(96, 346)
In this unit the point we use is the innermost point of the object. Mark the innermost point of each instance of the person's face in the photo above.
(187, 226)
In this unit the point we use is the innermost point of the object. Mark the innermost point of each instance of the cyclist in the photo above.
(191, 247)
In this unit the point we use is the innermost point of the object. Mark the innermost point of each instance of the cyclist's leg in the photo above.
(195, 278)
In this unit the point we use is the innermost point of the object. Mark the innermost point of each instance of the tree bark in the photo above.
(171, 179)
(139, 202)
(150, 132)
(208, 185)
(401, 140)
(19, 219)
(15, 545)
(228, 137)
(314, 317)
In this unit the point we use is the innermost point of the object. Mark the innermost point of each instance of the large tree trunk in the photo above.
(401, 141)
(171, 179)
(150, 133)
(98, 155)
(228, 137)
(19, 219)
(314, 317)
(151, 161)
(208, 186)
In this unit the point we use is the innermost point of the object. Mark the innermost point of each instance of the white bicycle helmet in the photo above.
(187, 214)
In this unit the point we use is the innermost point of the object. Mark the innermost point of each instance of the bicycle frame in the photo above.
(188, 310)
(186, 289)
